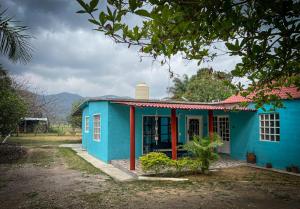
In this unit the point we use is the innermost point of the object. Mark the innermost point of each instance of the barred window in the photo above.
(269, 126)
(96, 124)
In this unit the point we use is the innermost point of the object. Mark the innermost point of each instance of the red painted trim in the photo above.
(132, 138)
(174, 133)
(210, 123)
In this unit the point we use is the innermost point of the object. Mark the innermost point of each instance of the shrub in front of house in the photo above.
(181, 164)
(203, 151)
(155, 162)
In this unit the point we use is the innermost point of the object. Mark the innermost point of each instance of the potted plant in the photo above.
(294, 169)
(268, 165)
(251, 157)
(289, 169)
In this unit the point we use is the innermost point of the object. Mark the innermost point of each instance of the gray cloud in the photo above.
(69, 56)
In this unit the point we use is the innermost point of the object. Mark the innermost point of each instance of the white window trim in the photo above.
(229, 124)
(97, 140)
(266, 140)
(87, 118)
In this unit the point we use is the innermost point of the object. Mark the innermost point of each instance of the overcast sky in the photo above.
(70, 57)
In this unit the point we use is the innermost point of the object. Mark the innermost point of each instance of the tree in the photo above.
(12, 106)
(207, 85)
(75, 119)
(265, 34)
(179, 88)
(14, 42)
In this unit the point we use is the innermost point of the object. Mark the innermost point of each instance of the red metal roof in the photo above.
(283, 93)
(184, 106)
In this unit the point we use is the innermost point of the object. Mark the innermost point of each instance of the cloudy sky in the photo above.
(70, 57)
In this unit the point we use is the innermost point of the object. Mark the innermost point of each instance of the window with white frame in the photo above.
(86, 123)
(269, 126)
(96, 127)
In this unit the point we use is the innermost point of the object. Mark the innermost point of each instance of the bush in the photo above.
(181, 164)
(203, 151)
(155, 161)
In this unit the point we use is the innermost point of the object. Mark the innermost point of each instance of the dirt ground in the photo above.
(44, 179)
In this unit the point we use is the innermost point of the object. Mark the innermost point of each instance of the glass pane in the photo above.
(272, 130)
(277, 123)
(267, 123)
(266, 117)
(262, 130)
(277, 138)
(277, 131)
(261, 124)
(272, 123)
(277, 116)
(272, 116)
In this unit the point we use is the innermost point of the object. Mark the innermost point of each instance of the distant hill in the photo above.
(61, 104)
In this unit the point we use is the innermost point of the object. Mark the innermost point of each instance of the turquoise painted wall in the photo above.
(245, 137)
(98, 149)
(85, 135)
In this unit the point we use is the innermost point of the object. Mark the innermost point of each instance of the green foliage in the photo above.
(264, 34)
(203, 151)
(205, 86)
(180, 164)
(13, 39)
(155, 161)
(12, 107)
(75, 120)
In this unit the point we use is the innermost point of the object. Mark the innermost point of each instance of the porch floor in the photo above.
(224, 162)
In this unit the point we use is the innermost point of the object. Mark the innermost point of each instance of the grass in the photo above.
(77, 163)
(43, 157)
(39, 140)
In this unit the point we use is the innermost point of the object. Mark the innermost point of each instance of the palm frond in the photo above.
(14, 41)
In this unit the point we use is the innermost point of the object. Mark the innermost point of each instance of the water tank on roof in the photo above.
(142, 91)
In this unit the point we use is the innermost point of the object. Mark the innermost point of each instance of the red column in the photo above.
(132, 138)
(210, 123)
(174, 134)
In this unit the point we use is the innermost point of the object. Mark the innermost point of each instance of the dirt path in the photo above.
(43, 180)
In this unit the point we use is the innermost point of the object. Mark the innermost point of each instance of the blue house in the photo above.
(128, 128)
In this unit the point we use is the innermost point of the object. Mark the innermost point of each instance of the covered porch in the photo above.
(164, 133)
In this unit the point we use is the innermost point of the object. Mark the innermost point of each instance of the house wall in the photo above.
(97, 149)
(85, 135)
(245, 137)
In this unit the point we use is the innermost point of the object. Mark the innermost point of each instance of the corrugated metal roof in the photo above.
(283, 93)
(182, 106)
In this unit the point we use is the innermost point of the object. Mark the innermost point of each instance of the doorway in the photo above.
(194, 127)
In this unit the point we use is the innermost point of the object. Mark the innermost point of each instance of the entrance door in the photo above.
(221, 127)
(194, 127)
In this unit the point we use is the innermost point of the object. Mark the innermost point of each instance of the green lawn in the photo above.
(39, 140)
(77, 163)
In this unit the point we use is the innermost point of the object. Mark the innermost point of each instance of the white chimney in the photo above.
(141, 91)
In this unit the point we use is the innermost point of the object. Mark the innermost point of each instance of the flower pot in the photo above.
(251, 158)
(268, 165)
(295, 169)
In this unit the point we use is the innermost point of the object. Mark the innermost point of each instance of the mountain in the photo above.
(60, 105)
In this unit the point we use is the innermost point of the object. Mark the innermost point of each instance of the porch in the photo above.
(161, 132)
